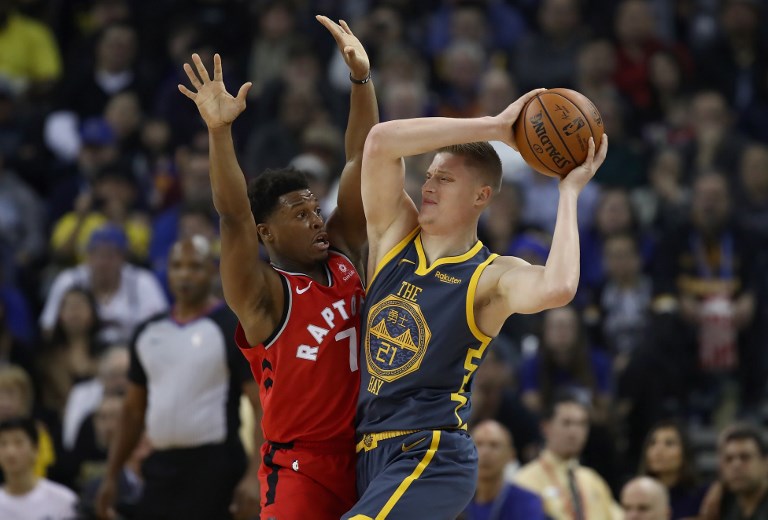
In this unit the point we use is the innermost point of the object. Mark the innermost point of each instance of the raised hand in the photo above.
(351, 49)
(507, 118)
(580, 175)
(217, 106)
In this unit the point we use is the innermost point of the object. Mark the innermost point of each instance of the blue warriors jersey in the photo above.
(420, 344)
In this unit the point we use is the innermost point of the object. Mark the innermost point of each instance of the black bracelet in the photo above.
(360, 81)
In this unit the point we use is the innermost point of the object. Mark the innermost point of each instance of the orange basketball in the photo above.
(553, 130)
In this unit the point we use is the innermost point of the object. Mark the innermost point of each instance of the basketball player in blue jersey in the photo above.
(436, 298)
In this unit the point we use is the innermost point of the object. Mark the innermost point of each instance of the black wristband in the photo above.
(360, 81)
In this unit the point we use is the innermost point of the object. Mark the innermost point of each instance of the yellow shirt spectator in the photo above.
(548, 476)
(28, 52)
(137, 229)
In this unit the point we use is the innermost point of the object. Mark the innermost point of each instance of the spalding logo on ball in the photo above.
(553, 130)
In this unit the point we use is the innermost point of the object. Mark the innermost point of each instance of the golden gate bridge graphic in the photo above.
(404, 340)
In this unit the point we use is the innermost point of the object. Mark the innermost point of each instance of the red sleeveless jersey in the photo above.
(307, 370)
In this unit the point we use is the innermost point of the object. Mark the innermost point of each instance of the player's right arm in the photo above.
(389, 211)
(252, 289)
(126, 439)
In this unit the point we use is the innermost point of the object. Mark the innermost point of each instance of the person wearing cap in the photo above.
(126, 294)
(111, 198)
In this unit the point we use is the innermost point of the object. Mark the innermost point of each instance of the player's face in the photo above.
(742, 467)
(450, 191)
(297, 228)
(190, 273)
(17, 453)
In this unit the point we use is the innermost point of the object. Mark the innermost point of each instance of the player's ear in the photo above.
(264, 233)
(483, 195)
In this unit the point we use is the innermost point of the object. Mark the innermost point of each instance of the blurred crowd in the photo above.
(103, 165)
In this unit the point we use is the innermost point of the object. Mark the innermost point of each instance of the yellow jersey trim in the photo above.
(405, 484)
(423, 269)
(469, 366)
(391, 254)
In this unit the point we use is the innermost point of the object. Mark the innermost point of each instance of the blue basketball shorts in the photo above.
(414, 475)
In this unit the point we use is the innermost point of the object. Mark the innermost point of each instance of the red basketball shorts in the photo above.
(304, 480)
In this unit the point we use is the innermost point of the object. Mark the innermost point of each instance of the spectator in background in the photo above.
(735, 62)
(16, 400)
(752, 194)
(126, 294)
(70, 355)
(549, 58)
(272, 44)
(186, 378)
(85, 93)
(494, 397)
(743, 488)
(706, 269)
(111, 379)
(193, 167)
(667, 456)
(21, 224)
(25, 494)
(13, 349)
(715, 145)
(619, 314)
(459, 69)
(614, 214)
(89, 457)
(565, 362)
(596, 66)
(112, 199)
(98, 149)
(568, 489)
(644, 498)
(30, 61)
(663, 205)
(495, 498)
(123, 113)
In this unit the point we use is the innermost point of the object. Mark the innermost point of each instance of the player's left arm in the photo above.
(514, 286)
(247, 495)
(347, 225)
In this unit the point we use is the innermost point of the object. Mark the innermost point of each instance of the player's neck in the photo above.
(315, 270)
(21, 483)
(488, 490)
(439, 244)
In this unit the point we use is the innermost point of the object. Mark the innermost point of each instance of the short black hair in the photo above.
(563, 397)
(267, 188)
(24, 424)
(745, 432)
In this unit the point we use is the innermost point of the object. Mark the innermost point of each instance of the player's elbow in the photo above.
(376, 144)
(561, 294)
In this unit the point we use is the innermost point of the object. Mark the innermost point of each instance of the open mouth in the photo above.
(321, 242)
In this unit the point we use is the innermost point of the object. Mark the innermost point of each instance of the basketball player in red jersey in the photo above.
(299, 317)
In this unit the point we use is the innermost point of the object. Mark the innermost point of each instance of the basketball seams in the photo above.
(576, 106)
(557, 131)
(528, 140)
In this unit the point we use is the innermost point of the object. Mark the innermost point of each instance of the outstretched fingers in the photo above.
(192, 76)
(217, 74)
(201, 70)
(345, 27)
(184, 90)
(243, 92)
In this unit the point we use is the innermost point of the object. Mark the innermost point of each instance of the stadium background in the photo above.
(94, 131)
